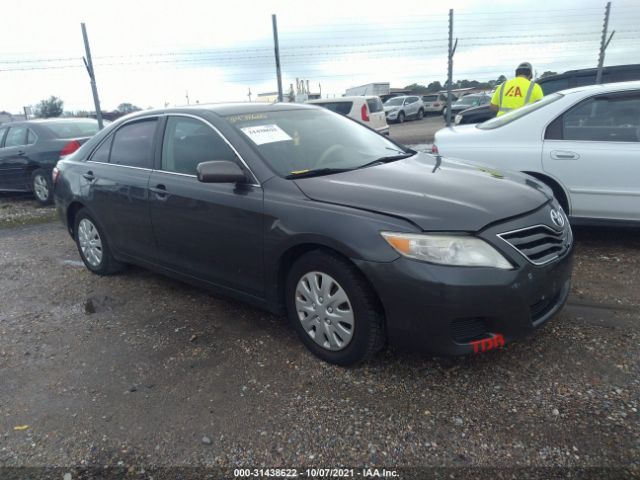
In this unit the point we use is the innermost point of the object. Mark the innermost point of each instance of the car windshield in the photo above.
(86, 128)
(296, 142)
(394, 101)
(469, 100)
(509, 117)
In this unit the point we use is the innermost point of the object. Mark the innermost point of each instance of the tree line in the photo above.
(54, 107)
(433, 87)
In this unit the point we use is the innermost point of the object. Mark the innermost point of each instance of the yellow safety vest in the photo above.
(516, 93)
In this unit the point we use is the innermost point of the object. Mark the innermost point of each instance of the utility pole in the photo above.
(249, 94)
(274, 21)
(604, 43)
(452, 51)
(92, 76)
(186, 94)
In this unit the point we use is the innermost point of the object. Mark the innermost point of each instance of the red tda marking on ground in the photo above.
(487, 344)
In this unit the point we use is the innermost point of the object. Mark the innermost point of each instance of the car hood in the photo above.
(433, 193)
(388, 108)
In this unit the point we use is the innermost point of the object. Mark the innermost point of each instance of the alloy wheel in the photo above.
(324, 310)
(41, 188)
(90, 242)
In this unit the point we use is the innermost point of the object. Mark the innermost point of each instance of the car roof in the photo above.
(44, 121)
(223, 109)
(588, 71)
(342, 99)
(604, 87)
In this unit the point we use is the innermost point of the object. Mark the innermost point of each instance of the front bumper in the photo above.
(448, 310)
(392, 115)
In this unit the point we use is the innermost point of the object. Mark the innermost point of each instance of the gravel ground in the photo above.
(22, 209)
(141, 370)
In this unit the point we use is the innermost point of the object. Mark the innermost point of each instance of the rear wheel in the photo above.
(93, 246)
(333, 309)
(41, 186)
(420, 114)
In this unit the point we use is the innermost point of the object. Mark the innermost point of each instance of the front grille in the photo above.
(465, 330)
(539, 244)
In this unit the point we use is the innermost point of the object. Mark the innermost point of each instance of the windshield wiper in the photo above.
(316, 173)
(390, 158)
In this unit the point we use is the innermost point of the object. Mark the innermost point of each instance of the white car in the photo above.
(366, 109)
(398, 109)
(584, 143)
(435, 102)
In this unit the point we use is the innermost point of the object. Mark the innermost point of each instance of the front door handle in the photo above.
(21, 152)
(564, 155)
(89, 176)
(160, 190)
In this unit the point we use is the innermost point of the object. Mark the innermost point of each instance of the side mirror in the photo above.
(220, 171)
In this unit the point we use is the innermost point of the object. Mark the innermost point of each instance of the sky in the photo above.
(156, 53)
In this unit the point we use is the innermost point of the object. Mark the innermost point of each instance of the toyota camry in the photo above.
(360, 241)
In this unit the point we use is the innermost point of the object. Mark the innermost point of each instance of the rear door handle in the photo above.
(564, 155)
(89, 176)
(160, 190)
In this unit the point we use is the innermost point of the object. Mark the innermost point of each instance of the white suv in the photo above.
(365, 109)
(398, 109)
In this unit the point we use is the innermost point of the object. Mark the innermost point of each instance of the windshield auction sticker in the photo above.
(262, 134)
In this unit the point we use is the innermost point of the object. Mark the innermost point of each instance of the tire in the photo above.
(401, 117)
(321, 322)
(42, 187)
(93, 246)
(420, 114)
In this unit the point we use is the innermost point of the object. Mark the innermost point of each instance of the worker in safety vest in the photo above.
(517, 92)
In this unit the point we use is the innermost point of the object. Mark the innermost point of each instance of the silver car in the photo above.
(399, 109)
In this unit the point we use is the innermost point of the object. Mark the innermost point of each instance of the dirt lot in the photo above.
(414, 132)
(138, 370)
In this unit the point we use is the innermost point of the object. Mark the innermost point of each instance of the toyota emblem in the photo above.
(557, 218)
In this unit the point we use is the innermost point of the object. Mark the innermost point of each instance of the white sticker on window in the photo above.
(266, 134)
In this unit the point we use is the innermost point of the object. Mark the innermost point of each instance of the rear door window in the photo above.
(31, 137)
(102, 153)
(343, 108)
(375, 105)
(188, 142)
(2, 132)
(133, 144)
(16, 137)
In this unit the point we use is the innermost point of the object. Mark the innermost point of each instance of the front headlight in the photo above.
(457, 250)
(458, 119)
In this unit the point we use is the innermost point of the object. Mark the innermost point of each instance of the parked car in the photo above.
(554, 83)
(30, 149)
(299, 210)
(584, 143)
(477, 114)
(399, 109)
(434, 102)
(367, 110)
(471, 100)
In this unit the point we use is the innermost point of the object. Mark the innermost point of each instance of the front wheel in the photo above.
(333, 309)
(41, 186)
(401, 117)
(93, 246)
